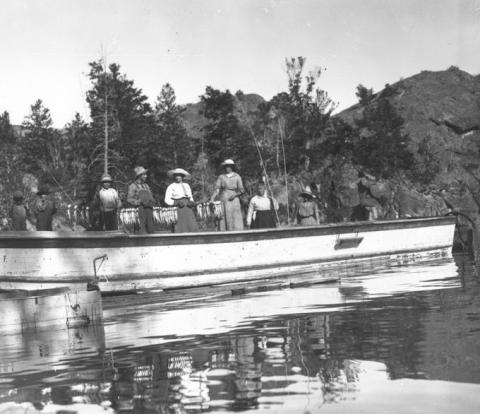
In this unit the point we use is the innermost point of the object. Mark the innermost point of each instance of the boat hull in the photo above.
(120, 261)
(61, 308)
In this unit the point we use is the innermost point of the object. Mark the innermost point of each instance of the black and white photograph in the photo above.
(249, 206)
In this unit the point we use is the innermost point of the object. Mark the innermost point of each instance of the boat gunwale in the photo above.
(242, 235)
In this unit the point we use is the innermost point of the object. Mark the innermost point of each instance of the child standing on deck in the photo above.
(19, 212)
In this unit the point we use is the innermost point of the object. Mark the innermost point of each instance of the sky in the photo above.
(46, 46)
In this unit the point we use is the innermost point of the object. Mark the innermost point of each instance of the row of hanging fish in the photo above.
(210, 210)
(79, 214)
(165, 216)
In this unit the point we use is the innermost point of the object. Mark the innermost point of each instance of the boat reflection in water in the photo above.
(294, 350)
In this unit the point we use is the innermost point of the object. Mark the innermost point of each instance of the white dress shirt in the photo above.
(176, 191)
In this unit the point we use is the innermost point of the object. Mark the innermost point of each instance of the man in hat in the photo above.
(108, 202)
(44, 209)
(139, 195)
(19, 212)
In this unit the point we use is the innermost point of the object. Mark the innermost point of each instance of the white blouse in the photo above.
(176, 191)
(259, 203)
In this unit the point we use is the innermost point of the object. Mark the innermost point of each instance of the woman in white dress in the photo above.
(179, 194)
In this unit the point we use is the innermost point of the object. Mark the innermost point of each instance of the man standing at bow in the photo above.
(140, 196)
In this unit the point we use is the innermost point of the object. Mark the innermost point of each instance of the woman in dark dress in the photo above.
(262, 210)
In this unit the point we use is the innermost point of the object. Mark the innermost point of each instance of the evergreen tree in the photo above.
(8, 145)
(177, 148)
(79, 143)
(382, 147)
(40, 147)
(299, 116)
(225, 135)
(129, 117)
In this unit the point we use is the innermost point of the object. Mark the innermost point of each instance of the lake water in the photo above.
(398, 340)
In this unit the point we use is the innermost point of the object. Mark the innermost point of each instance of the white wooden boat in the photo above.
(123, 261)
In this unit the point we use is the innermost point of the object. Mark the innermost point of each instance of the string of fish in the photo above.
(78, 214)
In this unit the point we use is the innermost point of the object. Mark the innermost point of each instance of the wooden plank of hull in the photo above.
(68, 309)
(170, 261)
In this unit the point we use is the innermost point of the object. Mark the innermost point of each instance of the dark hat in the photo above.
(43, 190)
(18, 195)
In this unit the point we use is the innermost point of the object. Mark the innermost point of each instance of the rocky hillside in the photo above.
(194, 120)
(441, 111)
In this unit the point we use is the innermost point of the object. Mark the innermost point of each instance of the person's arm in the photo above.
(189, 194)
(239, 190)
(132, 198)
(275, 204)
(117, 200)
(169, 201)
(250, 213)
(191, 202)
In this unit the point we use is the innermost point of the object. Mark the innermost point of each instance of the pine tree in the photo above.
(382, 146)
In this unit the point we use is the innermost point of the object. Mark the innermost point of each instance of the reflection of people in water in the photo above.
(248, 381)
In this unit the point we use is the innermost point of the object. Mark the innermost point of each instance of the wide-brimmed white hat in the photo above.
(307, 192)
(178, 171)
(228, 162)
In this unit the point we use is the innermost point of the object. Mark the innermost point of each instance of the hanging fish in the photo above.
(89, 216)
(69, 213)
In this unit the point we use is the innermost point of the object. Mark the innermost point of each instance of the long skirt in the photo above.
(264, 220)
(232, 218)
(186, 221)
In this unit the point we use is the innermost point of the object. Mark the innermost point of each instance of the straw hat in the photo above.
(106, 178)
(178, 171)
(139, 171)
(228, 162)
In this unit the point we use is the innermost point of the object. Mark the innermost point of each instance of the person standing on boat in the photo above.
(44, 210)
(139, 195)
(262, 210)
(179, 194)
(19, 212)
(108, 202)
(229, 188)
(307, 209)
